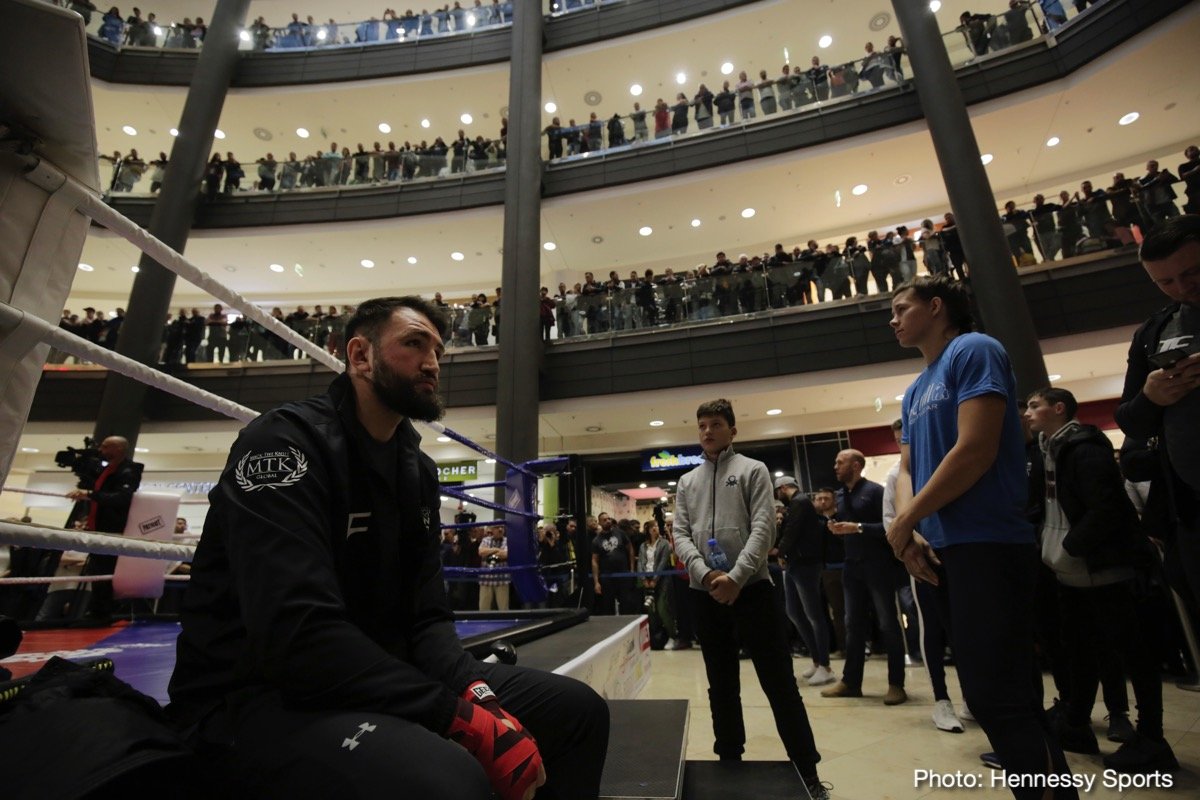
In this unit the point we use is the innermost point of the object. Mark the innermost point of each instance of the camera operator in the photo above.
(108, 495)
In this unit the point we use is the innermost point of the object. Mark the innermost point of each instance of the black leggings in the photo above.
(284, 753)
(985, 600)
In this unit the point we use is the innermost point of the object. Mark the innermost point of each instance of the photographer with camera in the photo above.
(107, 481)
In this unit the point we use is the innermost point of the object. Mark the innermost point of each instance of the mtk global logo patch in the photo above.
(270, 470)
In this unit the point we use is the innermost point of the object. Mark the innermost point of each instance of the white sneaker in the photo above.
(821, 676)
(944, 717)
(808, 673)
(672, 644)
(966, 713)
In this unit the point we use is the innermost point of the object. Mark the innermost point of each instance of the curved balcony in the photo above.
(1095, 293)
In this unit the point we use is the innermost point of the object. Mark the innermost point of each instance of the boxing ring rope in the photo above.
(41, 493)
(25, 535)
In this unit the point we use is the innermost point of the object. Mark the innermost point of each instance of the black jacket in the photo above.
(803, 533)
(319, 578)
(114, 497)
(1137, 416)
(1105, 531)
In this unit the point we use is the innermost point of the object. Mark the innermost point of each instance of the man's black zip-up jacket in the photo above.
(319, 577)
(803, 533)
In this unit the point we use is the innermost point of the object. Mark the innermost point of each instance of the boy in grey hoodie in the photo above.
(729, 499)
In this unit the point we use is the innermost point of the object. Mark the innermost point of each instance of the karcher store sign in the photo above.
(458, 472)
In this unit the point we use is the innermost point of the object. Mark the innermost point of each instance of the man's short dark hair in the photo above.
(953, 295)
(1167, 238)
(373, 314)
(825, 490)
(717, 408)
(1053, 396)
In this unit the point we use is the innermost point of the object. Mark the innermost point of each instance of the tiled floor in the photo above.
(872, 752)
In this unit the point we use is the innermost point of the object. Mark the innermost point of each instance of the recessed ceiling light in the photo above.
(726, 68)
(412, 259)
(1129, 118)
(489, 461)
(385, 128)
(244, 35)
(747, 213)
(277, 268)
(899, 398)
(302, 133)
(656, 423)
(641, 486)
(551, 107)
(220, 134)
(1055, 377)
(1053, 141)
(593, 429)
(902, 179)
(466, 119)
(636, 90)
(774, 412)
(141, 450)
(174, 131)
(457, 256)
(935, 6)
(670, 483)
(645, 230)
(986, 158)
(550, 246)
(86, 267)
(681, 78)
(135, 269)
(424, 123)
(443, 439)
(825, 41)
(367, 263)
(778, 473)
(298, 269)
(860, 190)
(129, 129)
(30, 450)
(695, 223)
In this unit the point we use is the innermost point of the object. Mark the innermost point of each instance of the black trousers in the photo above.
(867, 585)
(754, 622)
(985, 599)
(279, 752)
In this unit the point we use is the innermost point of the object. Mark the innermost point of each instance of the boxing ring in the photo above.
(49, 195)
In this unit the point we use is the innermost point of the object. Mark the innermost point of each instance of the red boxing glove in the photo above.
(509, 757)
(482, 694)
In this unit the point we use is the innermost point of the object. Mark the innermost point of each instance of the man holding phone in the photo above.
(1160, 400)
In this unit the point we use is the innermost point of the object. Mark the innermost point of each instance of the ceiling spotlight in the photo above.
(385, 128)
(443, 439)
(30, 450)
(825, 41)
(551, 107)
(860, 190)
(695, 223)
(1055, 377)
(899, 398)
(593, 429)
(322, 35)
(778, 473)
(277, 268)
(424, 123)
(935, 6)
(174, 131)
(774, 412)
(412, 259)
(86, 267)
(747, 213)
(726, 68)
(157, 31)
(671, 483)
(1129, 118)
(457, 256)
(466, 119)
(645, 230)
(129, 129)
(1052, 141)
(141, 449)
(986, 158)
(220, 134)
(636, 90)
(548, 246)
(135, 269)
(367, 263)
(302, 133)
(656, 423)
(681, 78)
(489, 461)
(244, 36)
(641, 486)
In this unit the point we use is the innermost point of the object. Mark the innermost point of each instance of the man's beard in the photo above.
(401, 395)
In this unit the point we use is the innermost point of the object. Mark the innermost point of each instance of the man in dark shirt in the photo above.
(193, 335)
(318, 655)
(1189, 173)
(871, 577)
(612, 552)
(1048, 237)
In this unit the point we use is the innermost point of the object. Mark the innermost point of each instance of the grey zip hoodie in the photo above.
(731, 501)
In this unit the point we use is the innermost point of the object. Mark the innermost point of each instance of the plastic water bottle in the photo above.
(716, 556)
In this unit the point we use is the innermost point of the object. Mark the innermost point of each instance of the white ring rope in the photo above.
(109, 544)
(41, 493)
(53, 579)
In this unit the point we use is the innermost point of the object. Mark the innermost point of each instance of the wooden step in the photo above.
(647, 744)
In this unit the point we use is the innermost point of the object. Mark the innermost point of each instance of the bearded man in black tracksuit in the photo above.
(318, 655)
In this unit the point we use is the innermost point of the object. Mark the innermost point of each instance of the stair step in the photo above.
(646, 747)
(723, 780)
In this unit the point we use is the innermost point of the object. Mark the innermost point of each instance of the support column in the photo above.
(994, 280)
(121, 407)
(520, 333)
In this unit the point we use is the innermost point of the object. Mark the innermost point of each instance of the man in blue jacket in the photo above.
(318, 656)
(729, 499)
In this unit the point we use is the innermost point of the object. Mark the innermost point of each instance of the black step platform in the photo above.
(723, 780)
(646, 748)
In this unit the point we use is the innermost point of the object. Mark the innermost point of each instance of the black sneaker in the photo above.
(991, 760)
(1119, 729)
(818, 790)
(1142, 755)
(1078, 739)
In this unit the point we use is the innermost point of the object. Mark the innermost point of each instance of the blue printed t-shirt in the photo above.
(972, 365)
